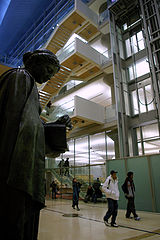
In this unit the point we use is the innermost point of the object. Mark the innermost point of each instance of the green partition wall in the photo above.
(146, 177)
(155, 171)
(143, 197)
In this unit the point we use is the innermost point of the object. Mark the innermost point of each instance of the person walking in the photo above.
(54, 189)
(61, 167)
(129, 190)
(76, 190)
(66, 165)
(110, 187)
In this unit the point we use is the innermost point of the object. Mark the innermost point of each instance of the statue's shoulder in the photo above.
(13, 71)
(16, 73)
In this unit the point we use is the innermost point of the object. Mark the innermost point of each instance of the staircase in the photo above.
(53, 86)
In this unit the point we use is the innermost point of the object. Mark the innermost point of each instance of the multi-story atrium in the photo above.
(108, 84)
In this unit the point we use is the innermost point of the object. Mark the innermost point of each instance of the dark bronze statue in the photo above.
(22, 145)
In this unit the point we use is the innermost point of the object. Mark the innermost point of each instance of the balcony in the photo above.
(83, 112)
(83, 60)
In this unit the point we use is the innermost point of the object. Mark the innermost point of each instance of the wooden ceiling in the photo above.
(74, 23)
(3, 69)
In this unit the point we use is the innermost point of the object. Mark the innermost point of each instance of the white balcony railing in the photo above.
(85, 50)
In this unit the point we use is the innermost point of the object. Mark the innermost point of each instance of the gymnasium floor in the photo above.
(89, 225)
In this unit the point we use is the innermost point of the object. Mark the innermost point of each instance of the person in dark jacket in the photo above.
(76, 190)
(97, 193)
(129, 191)
(54, 189)
(66, 165)
(89, 194)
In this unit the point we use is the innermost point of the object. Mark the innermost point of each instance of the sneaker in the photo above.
(78, 209)
(129, 217)
(114, 225)
(137, 218)
(107, 223)
(73, 207)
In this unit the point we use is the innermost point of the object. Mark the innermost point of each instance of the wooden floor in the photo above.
(58, 223)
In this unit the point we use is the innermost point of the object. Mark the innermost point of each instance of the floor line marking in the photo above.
(96, 220)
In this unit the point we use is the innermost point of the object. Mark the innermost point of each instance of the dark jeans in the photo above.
(94, 197)
(66, 172)
(131, 207)
(54, 194)
(112, 210)
(75, 199)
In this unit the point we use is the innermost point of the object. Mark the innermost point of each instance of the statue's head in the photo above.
(42, 64)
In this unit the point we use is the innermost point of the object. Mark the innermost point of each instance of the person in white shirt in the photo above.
(110, 188)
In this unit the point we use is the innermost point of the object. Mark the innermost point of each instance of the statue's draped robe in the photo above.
(21, 135)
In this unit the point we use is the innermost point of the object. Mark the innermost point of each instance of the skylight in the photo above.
(4, 4)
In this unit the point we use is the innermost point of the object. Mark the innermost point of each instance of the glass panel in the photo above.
(66, 52)
(141, 45)
(138, 134)
(141, 100)
(140, 40)
(142, 67)
(135, 103)
(110, 148)
(81, 151)
(150, 131)
(82, 176)
(131, 73)
(98, 171)
(139, 36)
(152, 147)
(134, 48)
(121, 49)
(149, 96)
(140, 149)
(125, 26)
(128, 48)
(97, 148)
(70, 154)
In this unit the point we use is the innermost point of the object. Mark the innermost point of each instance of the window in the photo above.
(134, 44)
(110, 148)
(135, 103)
(149, 140)
(149, 97)
(81, 151)
(143, 100)
(138, 69)
(97, 148)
